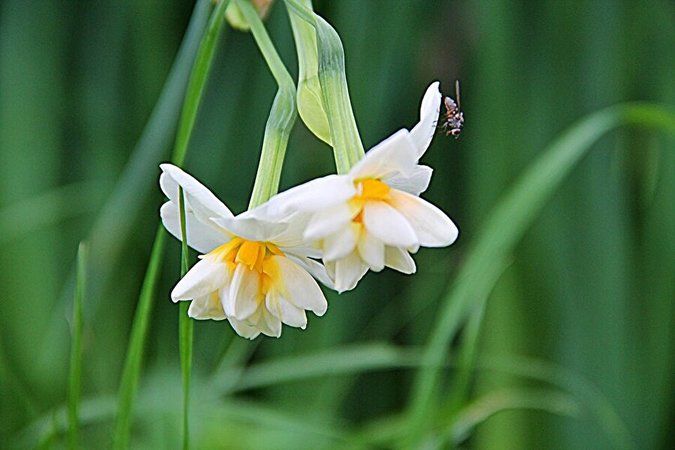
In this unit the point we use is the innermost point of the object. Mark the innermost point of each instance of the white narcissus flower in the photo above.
(372, 217)
(254, 273)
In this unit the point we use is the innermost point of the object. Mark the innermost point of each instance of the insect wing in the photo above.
(450, 104)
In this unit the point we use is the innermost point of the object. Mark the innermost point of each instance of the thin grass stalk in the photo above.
(466, 356)
(185, 328)
(132, 366)
(134, 357)
(75, 375)
(197, 82)
(508, 223)
(108, 233)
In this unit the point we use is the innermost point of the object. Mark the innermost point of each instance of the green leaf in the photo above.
(132, 365)
(48, 208)
(345, 360)
(109, 234)
(75, 375)
(507, 224)
(134, 357)
(483, 408)
(338, 361)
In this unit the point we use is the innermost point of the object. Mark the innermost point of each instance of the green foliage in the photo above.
(75, 374)
(564, 255)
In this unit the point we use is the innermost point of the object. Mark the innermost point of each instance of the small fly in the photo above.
(453, 118)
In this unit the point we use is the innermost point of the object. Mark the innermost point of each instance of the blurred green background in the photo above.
(590, 288)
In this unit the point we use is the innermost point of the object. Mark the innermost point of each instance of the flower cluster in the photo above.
(258, 268)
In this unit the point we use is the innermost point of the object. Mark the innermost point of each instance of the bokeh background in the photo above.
(590, 287)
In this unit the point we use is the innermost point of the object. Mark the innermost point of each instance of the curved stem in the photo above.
(282, 114)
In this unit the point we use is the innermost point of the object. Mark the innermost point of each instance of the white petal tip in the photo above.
(453, 234)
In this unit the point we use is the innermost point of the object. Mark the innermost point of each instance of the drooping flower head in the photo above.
(253, 272)
(373, 217)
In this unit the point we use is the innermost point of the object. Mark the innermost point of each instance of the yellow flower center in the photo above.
(255, 256)
(368, 189)
(372, 189)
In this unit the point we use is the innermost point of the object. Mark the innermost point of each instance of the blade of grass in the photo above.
(134, 357)
(185, 328)
(75, 375)
(340, 361)
(108, 234)
(345, 360)
(132, 366)
(197, 82)
(492, 403)
(232, 364)
(48, 208)
(500, 234)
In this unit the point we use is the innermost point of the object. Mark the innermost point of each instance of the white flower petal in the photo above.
(340, 244)
(371, 250)
(414, 183)
(202, 279)
(387, 224)
(269, 325)
(396, 154)
(432, 227)
(244, 292)
(348, 272)
(198, 197)
(244, 328)
(207, 307)
(251, 228)
(311, 196)
(299, 287)
(302, 251)
(399, 259)
(292, 235)
(200, 236)
(329, 220)
(315, 269)
(424, 131)
(285, 311)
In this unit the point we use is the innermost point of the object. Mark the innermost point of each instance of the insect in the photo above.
(453, 118)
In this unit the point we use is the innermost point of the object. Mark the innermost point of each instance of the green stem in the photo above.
(347, 146)
(134, 358)
(185, 328)
(75, 376)
(282, 114)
